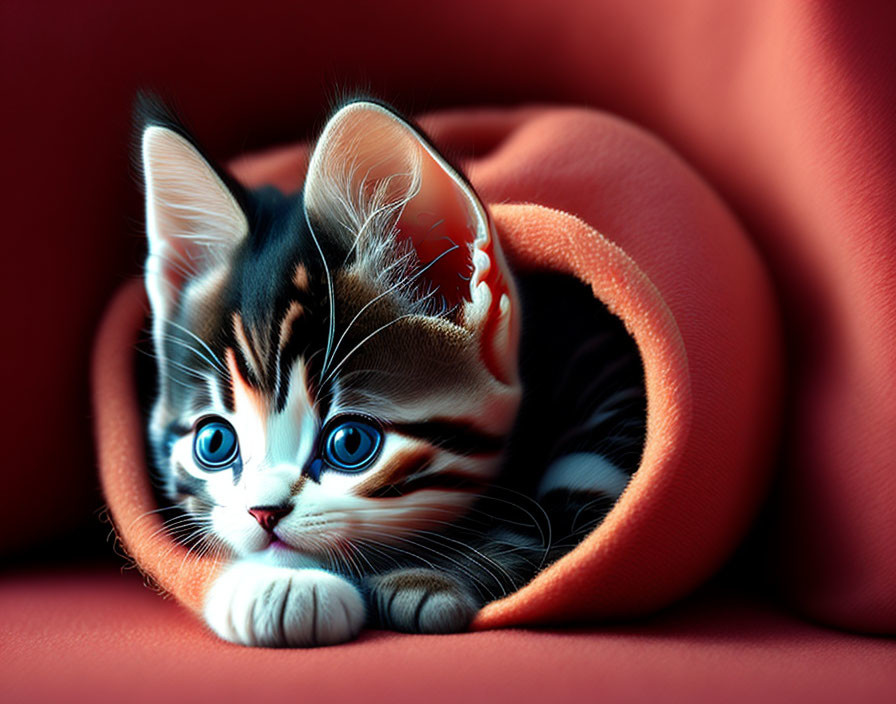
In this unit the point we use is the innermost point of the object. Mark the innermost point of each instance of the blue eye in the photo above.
(352, 445)
(215, 446)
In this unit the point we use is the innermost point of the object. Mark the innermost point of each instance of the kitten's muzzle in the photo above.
(269, 516)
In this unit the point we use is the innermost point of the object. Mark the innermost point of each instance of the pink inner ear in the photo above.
(443, 248)
(438, 222)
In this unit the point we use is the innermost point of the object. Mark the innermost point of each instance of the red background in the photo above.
(786, 108)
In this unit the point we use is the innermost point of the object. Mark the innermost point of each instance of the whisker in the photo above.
(358, 346)
(438, 536)
(401, 283)
(332, 303)
(214, 364)
(204, 344)
(442, 555)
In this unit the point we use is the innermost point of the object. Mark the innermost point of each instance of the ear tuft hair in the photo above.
(193, 218)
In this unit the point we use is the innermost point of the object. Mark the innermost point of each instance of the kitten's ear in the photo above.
(375, 181)
(192, 220)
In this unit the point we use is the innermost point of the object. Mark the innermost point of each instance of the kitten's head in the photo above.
(336, 366)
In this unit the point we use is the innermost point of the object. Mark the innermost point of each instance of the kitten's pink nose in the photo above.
(269, 516)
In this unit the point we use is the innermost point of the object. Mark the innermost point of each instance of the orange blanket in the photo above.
(583, 193)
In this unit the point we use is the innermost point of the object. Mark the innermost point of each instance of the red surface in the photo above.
(785, 107)
(103, 637)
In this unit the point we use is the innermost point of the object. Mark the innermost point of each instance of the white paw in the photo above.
(256, 604)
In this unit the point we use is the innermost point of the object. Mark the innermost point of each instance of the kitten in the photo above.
(344, 411)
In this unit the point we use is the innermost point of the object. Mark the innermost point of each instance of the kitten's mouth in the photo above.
(279, 552)
(277, 544)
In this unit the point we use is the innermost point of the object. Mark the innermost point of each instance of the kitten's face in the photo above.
(337, 368)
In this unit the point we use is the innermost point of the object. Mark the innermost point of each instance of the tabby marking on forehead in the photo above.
(245, 396)
(248, 350)
(292, 314)
(300, 278)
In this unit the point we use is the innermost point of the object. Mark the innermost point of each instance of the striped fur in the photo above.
(379, 291)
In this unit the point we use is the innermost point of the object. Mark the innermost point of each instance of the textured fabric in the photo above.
(785, 107)
(674, 266)
(103, 638)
